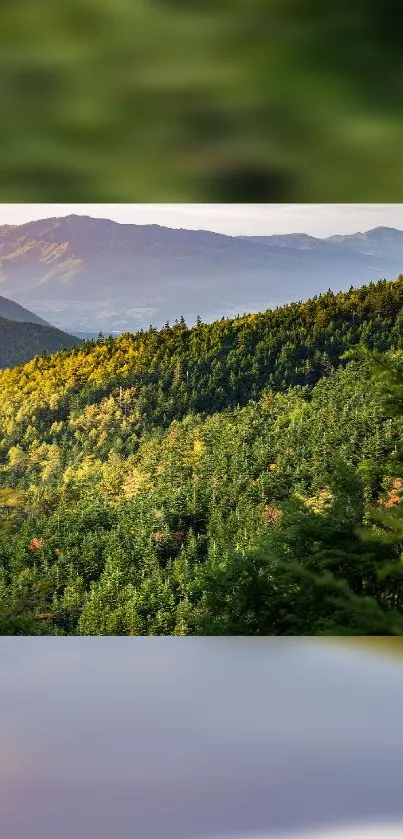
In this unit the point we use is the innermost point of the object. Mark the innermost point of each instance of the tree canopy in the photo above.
(242, 477)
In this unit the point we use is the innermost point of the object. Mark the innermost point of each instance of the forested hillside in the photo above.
(21, 341)
(234, 478)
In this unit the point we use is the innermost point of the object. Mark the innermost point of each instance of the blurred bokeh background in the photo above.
(203, 738)
(201, 100)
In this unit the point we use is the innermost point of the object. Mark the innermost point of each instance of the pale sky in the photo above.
(233, 219)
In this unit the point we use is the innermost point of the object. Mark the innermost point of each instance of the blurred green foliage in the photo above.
(232, 100)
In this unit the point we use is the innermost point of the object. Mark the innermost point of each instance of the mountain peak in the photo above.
(381, 232)
(84, 219)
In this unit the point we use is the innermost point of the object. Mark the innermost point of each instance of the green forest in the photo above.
(236, 478)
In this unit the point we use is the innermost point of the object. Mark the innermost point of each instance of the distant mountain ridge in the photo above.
(24, 335)
(20, 341)
(13, 311)
(91, 275)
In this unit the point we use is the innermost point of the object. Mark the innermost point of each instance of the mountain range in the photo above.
(88, 275)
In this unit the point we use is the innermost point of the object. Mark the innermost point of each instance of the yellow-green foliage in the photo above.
(178, 482)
